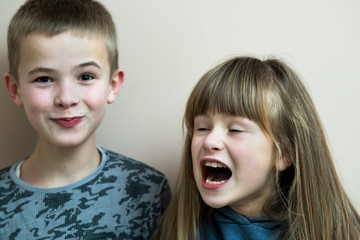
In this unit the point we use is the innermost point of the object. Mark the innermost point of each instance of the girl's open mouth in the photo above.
(214, 173)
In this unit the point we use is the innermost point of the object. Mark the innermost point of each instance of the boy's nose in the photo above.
(66, 96)
(214, 141)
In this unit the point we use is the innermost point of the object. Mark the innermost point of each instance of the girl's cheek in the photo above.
(195, 145)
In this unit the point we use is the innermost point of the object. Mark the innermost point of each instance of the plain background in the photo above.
(166, 45)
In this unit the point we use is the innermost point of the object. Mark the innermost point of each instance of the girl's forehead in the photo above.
(230, 113)
(224, 116)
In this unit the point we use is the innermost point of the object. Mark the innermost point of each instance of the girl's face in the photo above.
(233, 163)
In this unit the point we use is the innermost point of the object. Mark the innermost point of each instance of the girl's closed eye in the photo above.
(236, 130)
(201, 124)
(202, 128)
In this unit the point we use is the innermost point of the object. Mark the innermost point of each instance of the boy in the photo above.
(64, 71)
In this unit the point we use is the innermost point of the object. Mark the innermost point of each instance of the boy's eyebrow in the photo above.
(41, 69)
(89, 63)
(50, 70)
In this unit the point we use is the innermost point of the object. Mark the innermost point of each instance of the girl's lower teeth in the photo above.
(208, 181)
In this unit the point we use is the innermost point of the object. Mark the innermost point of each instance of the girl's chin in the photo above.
(214, 204)
(213, 201)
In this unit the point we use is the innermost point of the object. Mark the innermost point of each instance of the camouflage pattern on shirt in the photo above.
(122, 199)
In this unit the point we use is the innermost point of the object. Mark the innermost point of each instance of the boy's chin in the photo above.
(69, 143)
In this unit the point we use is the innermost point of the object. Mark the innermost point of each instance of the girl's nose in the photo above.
(214, 141)
(66, 95)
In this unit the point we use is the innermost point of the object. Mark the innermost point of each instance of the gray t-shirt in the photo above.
(122, 199)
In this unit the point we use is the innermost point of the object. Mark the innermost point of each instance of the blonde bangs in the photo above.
(235, 88)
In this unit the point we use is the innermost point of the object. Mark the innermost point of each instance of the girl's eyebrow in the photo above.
(201, 116)
(242, 120)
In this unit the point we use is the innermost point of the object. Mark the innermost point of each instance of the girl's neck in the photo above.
(50, 167)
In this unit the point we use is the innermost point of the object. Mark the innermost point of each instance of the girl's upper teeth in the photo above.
(215, 165)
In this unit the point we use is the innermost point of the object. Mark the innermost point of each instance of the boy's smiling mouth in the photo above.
(67, 122)
(214, 173)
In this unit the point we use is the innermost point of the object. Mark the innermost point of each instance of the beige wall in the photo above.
(165, 46)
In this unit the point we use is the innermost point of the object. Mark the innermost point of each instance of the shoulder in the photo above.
(131, 166)
(4, 173)
(9, 189)
(140, 179)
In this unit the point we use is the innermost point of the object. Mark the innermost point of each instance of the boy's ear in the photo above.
(282, 164)
(13, 89)
(115, 85)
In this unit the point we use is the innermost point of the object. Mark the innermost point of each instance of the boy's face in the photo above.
(232, 163)
(64, 86)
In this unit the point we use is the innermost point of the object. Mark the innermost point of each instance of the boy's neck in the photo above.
(55, 167)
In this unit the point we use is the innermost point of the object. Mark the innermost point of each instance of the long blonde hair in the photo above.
(308, 201)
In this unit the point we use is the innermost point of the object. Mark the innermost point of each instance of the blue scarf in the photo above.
(227, 224)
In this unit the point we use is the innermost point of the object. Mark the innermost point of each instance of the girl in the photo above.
(256, 164)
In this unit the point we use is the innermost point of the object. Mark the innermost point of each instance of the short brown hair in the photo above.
(52, 17)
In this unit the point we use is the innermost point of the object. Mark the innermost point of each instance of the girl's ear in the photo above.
(13, 89)
(115, 85)
(282, 164)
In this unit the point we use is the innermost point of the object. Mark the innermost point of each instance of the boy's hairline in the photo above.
(73, 31)
(84, 19)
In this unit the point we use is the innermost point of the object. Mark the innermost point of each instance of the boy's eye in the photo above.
(43, 79)
(86, 77)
